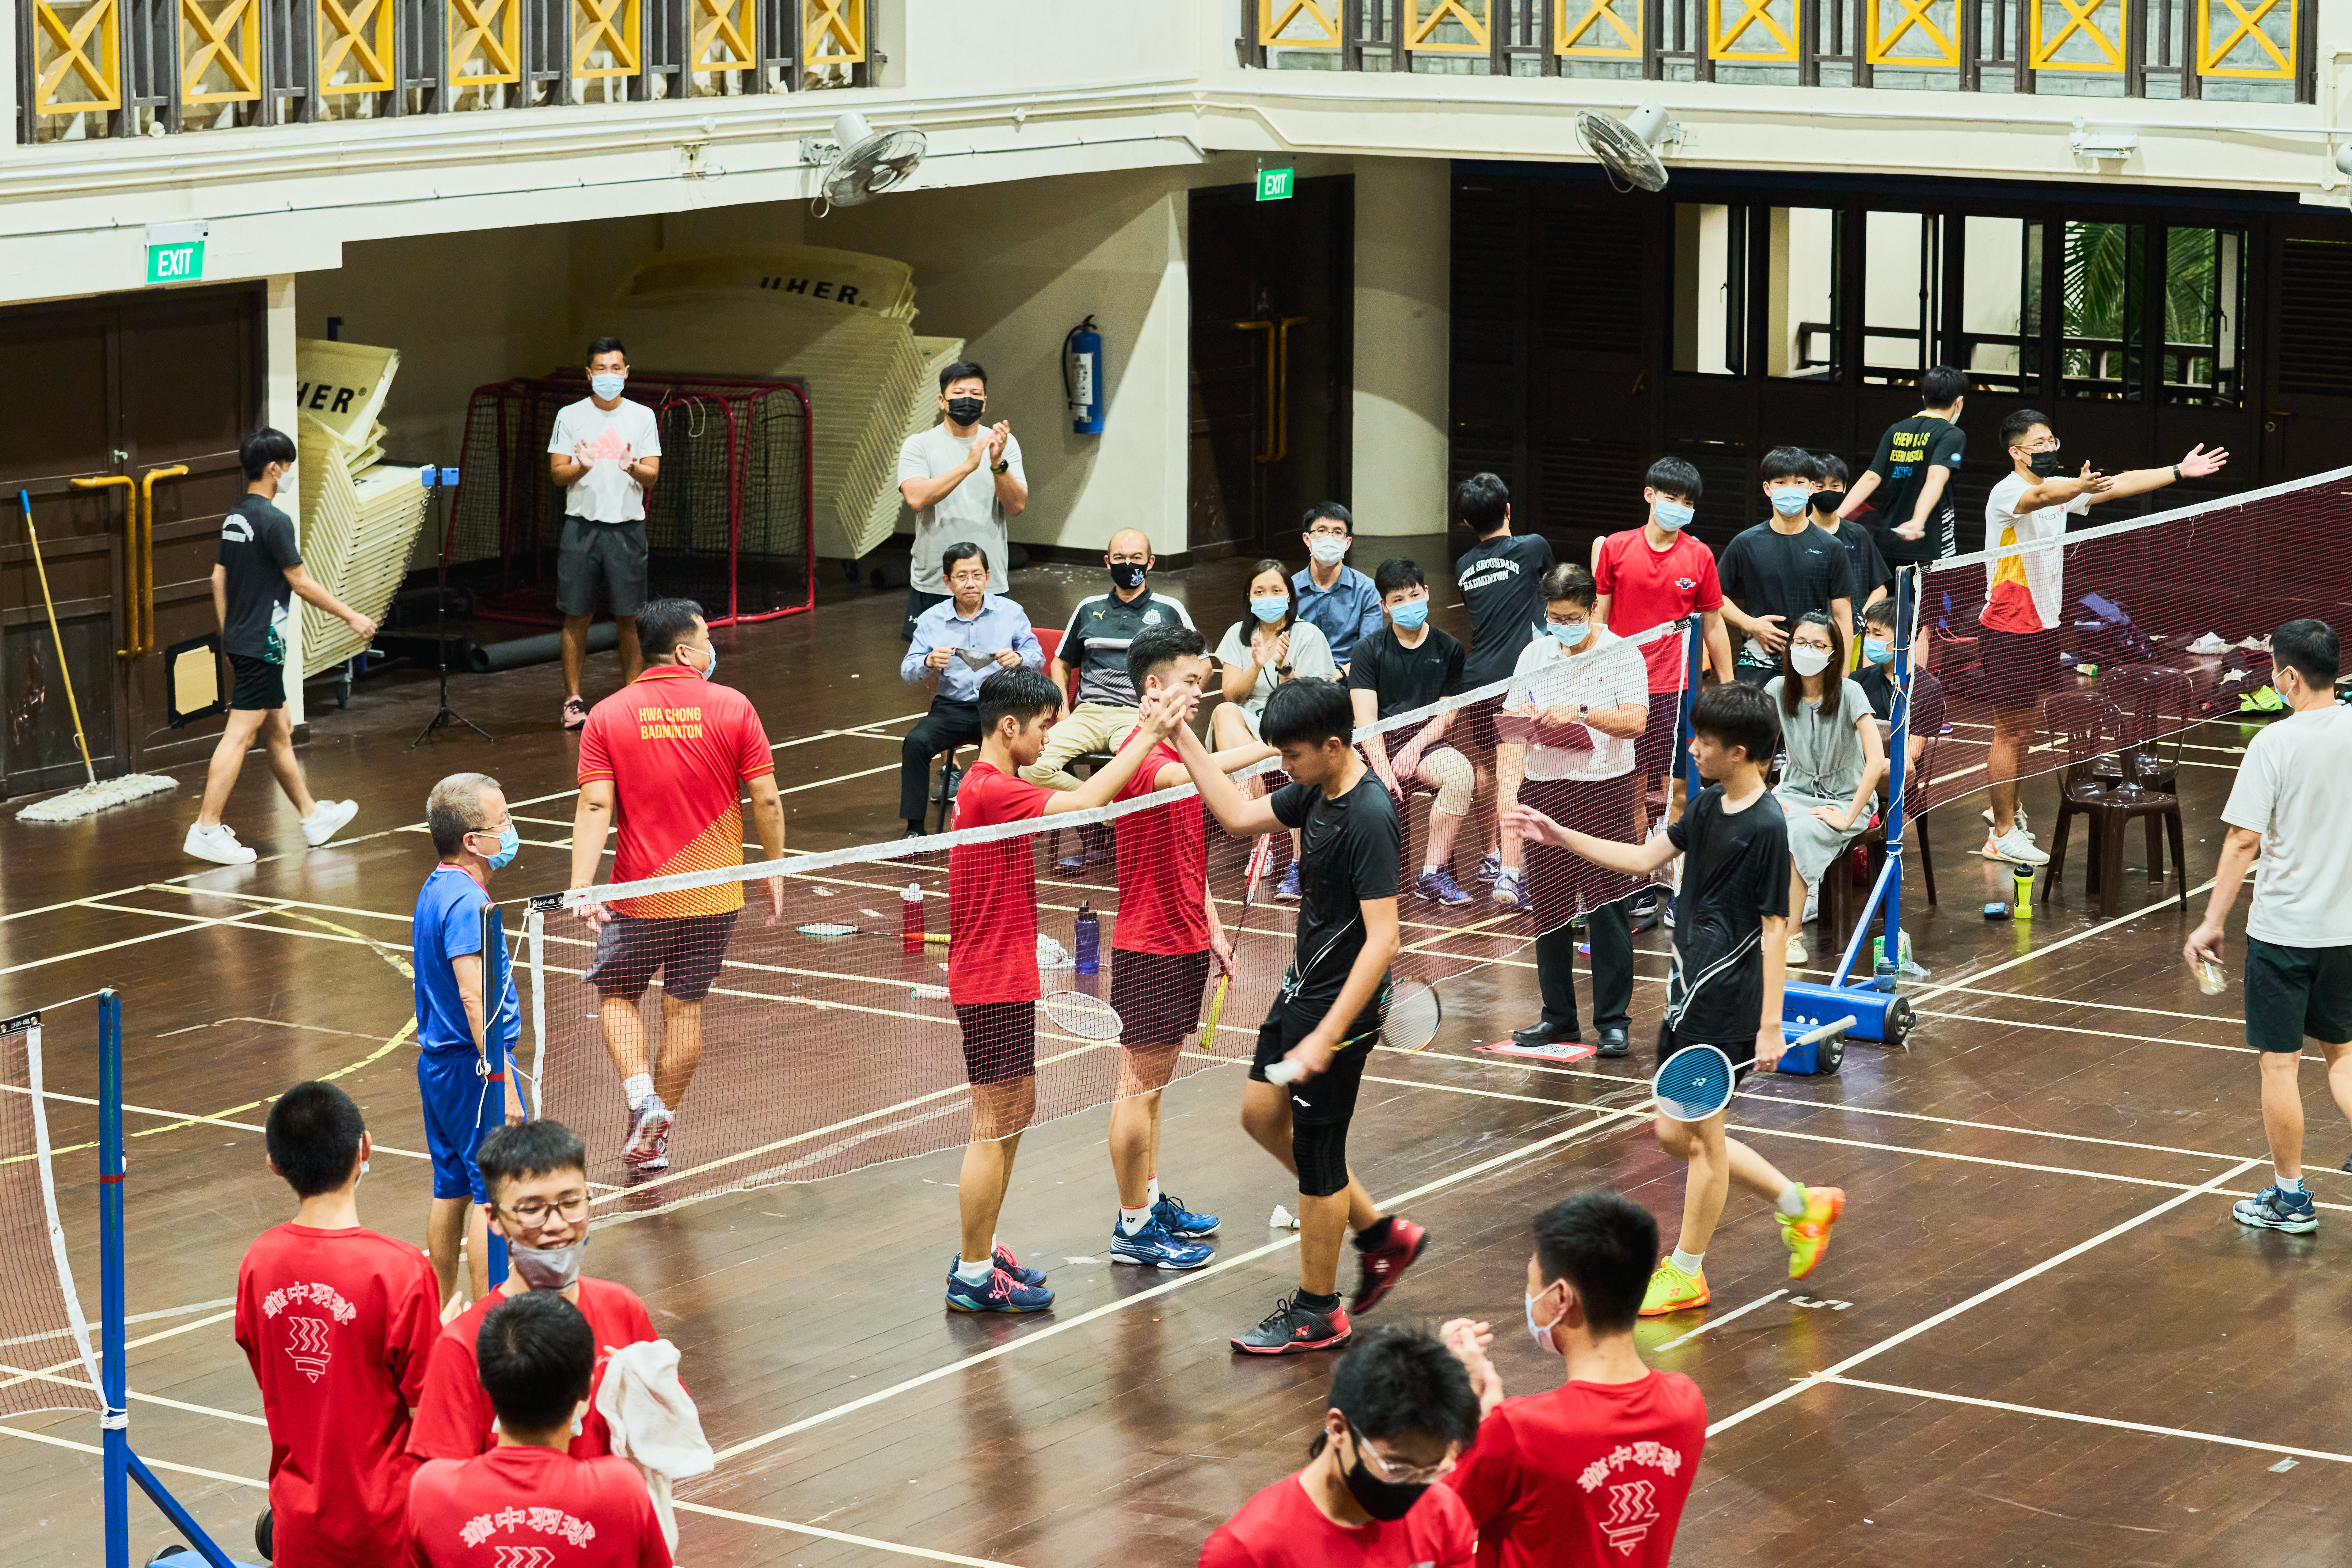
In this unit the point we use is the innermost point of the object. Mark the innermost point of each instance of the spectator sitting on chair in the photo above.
(1407, 664)
(965, 482)
(605, 451)
(963, 640)
(1094, 644)
(1338, 599)
(1829, 783)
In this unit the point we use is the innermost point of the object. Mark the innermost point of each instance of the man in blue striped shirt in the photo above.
(964, 640)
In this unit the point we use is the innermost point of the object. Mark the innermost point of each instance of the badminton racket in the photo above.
(1409, 1023)
(1260, 853)
(1693, 1083)
(1088, 1018)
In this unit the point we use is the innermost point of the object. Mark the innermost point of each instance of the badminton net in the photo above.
(828, 1041)
(46, 1360)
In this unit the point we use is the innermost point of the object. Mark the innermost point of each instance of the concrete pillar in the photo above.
(280, 410)
(1403, 265)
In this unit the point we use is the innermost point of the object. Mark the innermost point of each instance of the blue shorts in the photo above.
(461, 1111)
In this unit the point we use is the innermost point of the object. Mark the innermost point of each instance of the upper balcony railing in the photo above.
(2237, 50)
(93, 69)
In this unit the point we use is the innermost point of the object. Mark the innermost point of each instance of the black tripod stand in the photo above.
(443, 717)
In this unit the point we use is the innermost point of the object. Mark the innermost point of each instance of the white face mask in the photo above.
(1327, 548)
(1541, 1333)
(712, 667)
(1807, 659)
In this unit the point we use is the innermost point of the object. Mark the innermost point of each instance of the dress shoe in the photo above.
(1613, 1043)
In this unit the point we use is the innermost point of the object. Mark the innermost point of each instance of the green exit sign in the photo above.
(1276, 184)
(175, 252)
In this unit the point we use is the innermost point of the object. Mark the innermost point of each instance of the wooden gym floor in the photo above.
(2039, 1337)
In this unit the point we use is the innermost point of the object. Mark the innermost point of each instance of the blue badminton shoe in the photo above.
(2271, 1210)
(1153, 1247)
(1008, 1264)
(1182, 1223)
(1288, 886)
(1001, 1294)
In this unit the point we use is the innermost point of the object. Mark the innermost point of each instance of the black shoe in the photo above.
(1613, 1043)
(914, 833)
(1545, 1035)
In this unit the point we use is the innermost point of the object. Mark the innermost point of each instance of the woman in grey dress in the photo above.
(1829, 780)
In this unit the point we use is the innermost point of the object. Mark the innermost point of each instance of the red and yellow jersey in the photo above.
(677, 750)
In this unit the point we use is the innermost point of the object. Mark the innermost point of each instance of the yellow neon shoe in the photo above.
(1672, 1290)
(1808, 1235)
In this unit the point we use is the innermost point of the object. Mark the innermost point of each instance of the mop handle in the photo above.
(25, 503)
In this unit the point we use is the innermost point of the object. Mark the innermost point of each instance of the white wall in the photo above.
(1403, 270)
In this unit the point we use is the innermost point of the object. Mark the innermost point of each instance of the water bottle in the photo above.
(911, 919)
(1089, 940)
(2022, 881)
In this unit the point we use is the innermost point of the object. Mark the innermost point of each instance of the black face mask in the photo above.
(2048, 464)
(1127, 576)
(1828, 500)
(965, 410)
(1387, 1501)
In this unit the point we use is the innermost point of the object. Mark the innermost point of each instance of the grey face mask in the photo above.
(548, 1267)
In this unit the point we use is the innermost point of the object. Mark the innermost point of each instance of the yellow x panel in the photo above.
(491, 30)
(1915, 18)
(722, 33)
(832, 32)
(1319, 13)
(2250, 25)
(69, 52)
(612, 23)
(230, 38)
(1753, 13)
(1422, 33)
(2079, 19)
(1571, 39)
(362, 33)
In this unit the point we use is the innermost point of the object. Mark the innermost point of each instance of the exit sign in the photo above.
(175, 252)
(1276, 184)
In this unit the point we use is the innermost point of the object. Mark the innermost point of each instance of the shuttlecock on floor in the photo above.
(1283, 1219)
(93, 799)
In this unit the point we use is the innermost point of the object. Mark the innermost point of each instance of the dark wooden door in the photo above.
(130, 390)
(1271, 285)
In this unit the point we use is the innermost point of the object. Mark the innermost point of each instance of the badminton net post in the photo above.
(498, 975)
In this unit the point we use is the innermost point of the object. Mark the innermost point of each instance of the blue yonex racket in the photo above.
(1693, 1083)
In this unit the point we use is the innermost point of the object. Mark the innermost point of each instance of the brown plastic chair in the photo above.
(2094, 724)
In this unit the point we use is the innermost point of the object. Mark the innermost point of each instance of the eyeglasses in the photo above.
(1334, 531)
(1396, 1470)
(1569, 625)
(531, 1212)
(2050, 446)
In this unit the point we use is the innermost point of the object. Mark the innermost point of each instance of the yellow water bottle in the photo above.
(2022, 880)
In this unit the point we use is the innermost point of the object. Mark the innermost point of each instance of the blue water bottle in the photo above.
(1089, 940)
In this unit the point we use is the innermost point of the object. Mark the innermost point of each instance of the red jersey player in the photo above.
(538, 1178)
(1598, 1469)
(1401, 1408)
(526, 1496)
(993, 959)
(338, 1322)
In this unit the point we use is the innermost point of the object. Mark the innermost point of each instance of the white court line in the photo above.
(685, 1506)
(22, 1374)
(1718, 1323)
(1915, 1330)
(150, 1461)
(188, 1116)
(2091, 1420)
(2165, 903)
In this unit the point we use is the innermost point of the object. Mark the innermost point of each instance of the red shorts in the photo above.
(1157, 995)
(1000, 1040)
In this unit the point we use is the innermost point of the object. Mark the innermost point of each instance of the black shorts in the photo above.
(260, 684)
(1157, 995)
(1000, 1040)
(2294, 991)
(1330, 1097)
(1742, 1053)
(1656, 750)
(687, 949)
(1754, 674)
(1561, 883)
(2017, 667)
(613, 553)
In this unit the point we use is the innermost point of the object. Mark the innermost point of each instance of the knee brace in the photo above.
(1322, 1152)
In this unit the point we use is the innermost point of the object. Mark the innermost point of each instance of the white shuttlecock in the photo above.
(1283, 1219)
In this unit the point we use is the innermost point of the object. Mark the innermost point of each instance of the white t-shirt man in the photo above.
(2290, 789)
(1606, 672)
(2025, 582)
(609, 440)
(968, 513)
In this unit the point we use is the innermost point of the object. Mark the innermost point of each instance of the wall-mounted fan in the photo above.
(863, 163)
(1628, 148)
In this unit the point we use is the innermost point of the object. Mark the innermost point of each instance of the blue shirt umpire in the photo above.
(964, 640)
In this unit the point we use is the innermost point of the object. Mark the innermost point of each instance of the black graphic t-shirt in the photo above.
(1908, 449)
(1348, 851)
(1735, 873)
(256, 547)
(1501, 582)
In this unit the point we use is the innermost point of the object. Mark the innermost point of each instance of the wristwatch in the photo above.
(999, 467)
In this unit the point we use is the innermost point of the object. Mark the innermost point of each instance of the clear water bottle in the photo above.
(1088, 940)
(911, 919)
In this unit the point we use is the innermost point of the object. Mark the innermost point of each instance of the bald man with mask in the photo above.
(1094, 644)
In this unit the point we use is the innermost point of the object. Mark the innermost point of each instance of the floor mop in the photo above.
(94, 796)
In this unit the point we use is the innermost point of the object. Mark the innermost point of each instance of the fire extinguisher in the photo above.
(1082, 377)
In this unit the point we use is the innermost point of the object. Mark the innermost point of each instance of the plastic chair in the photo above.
(2094, 728)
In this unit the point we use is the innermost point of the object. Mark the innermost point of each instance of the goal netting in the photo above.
(46, 1360)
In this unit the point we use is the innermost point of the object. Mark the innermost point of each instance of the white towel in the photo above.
(654, 1421)
(2210, 644)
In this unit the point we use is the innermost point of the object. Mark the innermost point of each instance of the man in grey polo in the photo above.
(1094, 644)
(964, 481)
(604, 451)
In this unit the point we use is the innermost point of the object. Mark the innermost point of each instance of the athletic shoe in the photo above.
(1797, 953)
(1672, 1290)
(1384, 1264)
(1808, 1235)
(1003, 1293)
(1153, 1247)
(1069, 865)
(648, 1135)
(1510, 891)
(2014, 848)
(327, 818)
(1439, 887)
(1288, 886)
(1491, 867)
(1290, 1330)
(575, 713)
(1182, 1223)
(218, 844)
(1012, 1265)
(1666, 913)
(2271, 1210)
(2022, 827)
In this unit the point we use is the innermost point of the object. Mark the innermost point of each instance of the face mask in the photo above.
(1828, 500)
(1672, 515)
(1269, 608)
(1541, 1333)
(965, 410)
(1877, 650)
(1790, 502)
(1410, 614)
(1571, 634)
(1387, 1501)
(711, 668)
(1327, 548)
(1128, 574)
(548, 1267)
(2048, 464)
(508, 843)
(607, 385)
(1808, 660)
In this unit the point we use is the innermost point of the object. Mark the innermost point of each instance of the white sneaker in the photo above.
(2022, 827)
(2014, 848)
(647, 1144)
(327, 819)
(1797, 953)
(218, 844)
